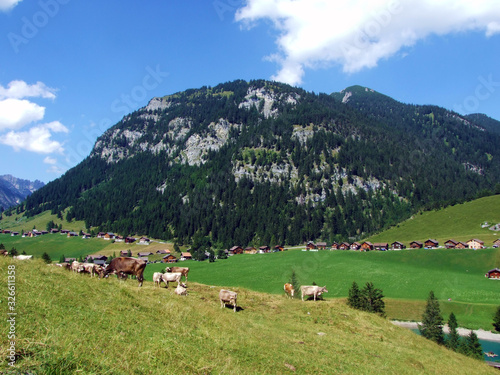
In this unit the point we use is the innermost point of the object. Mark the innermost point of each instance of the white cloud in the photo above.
(36, 139)
(358, 34)
(20, 89)
(15, 113)
(6, 5)
(49, 160)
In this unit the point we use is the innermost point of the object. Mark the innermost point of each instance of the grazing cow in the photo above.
(157, 278)
(181, 290)
(23, 257)
(91, 268)
(77, 266)
(312, 290)
(289, 291)
(4, 253)
(226, 296)
(171, 277)
(124, 266)
(183, 270)
(64, 265)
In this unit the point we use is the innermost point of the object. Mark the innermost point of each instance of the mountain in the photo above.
(486, 122)
(265, 163)
(14, 190)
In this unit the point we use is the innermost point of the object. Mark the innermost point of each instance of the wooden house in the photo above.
(129, 239)
(396, 245)
(344, 246)
(72, 234)
(496, 243)
(163, 251)
(311, 246)
(119, 239)
(64, 231)
(186, 256)
(143, 241)
(451, 244)
(264, 249)
(366, 246)
(144, 254)
(69, 260)
(382, 246)
(493, 274)
(109, 236)
(321, 245)
(14, 234)
(6, 231)
(169, 258)
(54, 230)
(124, 253)
(236, 250)
(100, 234)
(279, 248)
(430, 244)
(475, 244)
(461, 245)
(334, 246)
(416, 245)
(86, 235)
(355, 246)
(250, 250)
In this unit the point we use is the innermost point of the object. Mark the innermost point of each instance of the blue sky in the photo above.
(70, 69)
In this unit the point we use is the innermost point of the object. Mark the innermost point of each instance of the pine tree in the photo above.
(294, 280)
(473, 346)
(372, 299)
(62, 258)
(46, 258)
(453, 341)
(496, 320)
(354, 299)
(2, 246)
(432, 321)
(13, 252)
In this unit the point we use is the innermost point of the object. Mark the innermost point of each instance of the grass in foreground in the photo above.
(69, 323)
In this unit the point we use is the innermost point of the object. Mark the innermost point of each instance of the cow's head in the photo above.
(168, 269)
(323, 290)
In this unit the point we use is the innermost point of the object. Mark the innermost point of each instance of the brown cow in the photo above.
(289, 291)
(124, 266)
(227, 296)
(183, 270)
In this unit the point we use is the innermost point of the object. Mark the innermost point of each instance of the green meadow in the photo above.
(70, 323)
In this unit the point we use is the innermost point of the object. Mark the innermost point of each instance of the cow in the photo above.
(157, 278)
(183, 270)
(312, 290)
(226, 296)
(23, 257)
(171, 277)
(181, 290)
(91, 268)
(77, 266)
(124, 266)
(289, 291)
(4, 253)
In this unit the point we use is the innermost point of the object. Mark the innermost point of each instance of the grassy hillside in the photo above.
(460, 222)
(69, 323)
(18, 222)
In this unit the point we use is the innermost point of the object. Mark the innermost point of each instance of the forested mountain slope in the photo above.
(265, 163)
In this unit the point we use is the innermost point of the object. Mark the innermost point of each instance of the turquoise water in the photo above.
(488, 346)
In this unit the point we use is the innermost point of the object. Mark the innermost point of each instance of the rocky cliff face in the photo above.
(14, 190)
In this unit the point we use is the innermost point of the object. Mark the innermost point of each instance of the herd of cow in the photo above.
(122, 267)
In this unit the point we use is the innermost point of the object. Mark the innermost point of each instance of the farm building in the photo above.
(493, 274)
(144, 241)
(366, 246)
(144, 254)
(264, 249)
(250, 250)
(321, 245)
(396, 245)
(462, 245)
(416, 245)
(124, 253)
(169, 259)
(186, 256)
(429, 244)
(129, 239)
(383, 246)
(344, 246)
(279, 248)
(311, 246)
(163, 251)
(236, 250)
(335, 246)
(451, 244)
(355, 246)
(475, 244)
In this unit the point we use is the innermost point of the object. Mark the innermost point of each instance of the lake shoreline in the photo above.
(481, 334)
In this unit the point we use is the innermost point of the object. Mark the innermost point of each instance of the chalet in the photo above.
(119, 239)
(109, 236)
(461, 245)
(69, 260)
(334, 246)
(451, 244)
(72, 234)
(493, 274)
(250, 250)
(54, 230)
(236, 250)
(396, 245)
(382, 246)
(14, 234)
(430, 244)
(496, 243)
(6, 231)
(344, 246)
(169, 258)
(279, 248)
(86, 235)
(416, 245)
(163, 251)
(97, 258)
(143, 241)
(100, 235)
(144, 254)
(321, 245)
(124, 253)
(186, 256)
(264, 249)
(355, 246)
(129, 239)
(366, 246)
(64, 231)
(475, 244)
(311, 246)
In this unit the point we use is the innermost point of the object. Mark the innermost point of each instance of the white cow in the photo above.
(91, 268)
(180, 290)
(157, 278)
(23, 257)
(227, 296)
(312, 290)
(77, 266)
(171, 277)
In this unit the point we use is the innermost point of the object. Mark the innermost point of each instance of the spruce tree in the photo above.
(474, 348)
(294, 280)
(496, 320)
(354, 299)
(46, 258)
(62, 258)
(432, 321)
(372, 299)
(453, 341)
